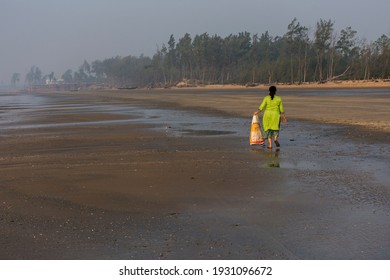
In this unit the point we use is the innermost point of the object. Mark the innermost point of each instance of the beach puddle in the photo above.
(180, 123)
(29, 111)
(304, 146)
(193, 132)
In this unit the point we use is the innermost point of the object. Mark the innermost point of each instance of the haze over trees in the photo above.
(15, 79)
(243, 58)
(34, 76)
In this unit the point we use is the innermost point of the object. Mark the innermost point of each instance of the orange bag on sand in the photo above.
(256, 137)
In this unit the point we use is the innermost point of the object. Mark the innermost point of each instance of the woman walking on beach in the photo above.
(272, 106)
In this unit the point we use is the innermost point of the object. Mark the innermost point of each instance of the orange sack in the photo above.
(256, 137)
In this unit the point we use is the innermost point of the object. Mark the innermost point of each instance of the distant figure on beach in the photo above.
(272, 106)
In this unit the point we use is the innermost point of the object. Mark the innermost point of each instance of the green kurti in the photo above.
(272, 110)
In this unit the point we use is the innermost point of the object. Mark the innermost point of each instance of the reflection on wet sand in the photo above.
(107, 189)
(271, 156)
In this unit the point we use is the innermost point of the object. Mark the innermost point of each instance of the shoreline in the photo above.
(124, 190)
(349, 84)
(364, 110)
(308, 85)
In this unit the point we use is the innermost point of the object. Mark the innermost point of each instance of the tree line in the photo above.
(296, 57)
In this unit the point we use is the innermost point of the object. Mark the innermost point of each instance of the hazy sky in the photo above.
(57, 35)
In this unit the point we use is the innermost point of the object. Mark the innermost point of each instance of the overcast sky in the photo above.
(56, 35)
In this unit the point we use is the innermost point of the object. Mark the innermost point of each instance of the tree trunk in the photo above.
(269, 76)
(305, 65)
(292, 69)
(338, 76)
(318, 69)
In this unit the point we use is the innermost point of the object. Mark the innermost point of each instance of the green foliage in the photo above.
(244, 58)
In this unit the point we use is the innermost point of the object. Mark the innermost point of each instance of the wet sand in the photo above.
(169, 174)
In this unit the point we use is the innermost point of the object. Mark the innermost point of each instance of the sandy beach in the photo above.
(169, 174)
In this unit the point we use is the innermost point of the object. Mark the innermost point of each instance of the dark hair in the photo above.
(272, 91)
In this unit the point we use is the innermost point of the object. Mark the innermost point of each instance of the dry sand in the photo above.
(90, 176)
